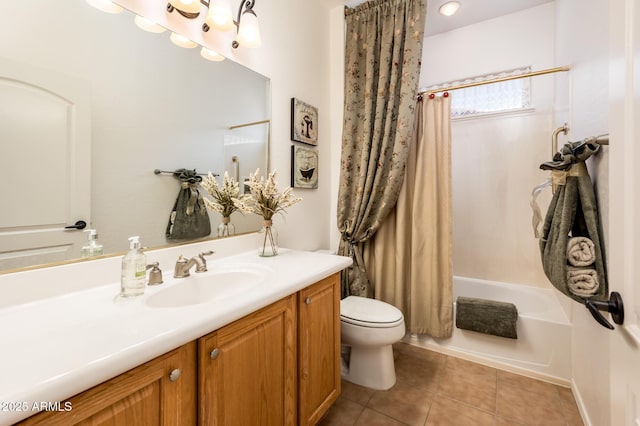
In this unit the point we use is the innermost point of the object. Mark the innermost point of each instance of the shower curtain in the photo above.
(409, 259)
(382, 65)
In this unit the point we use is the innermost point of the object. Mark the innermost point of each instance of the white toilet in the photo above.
(368, 329)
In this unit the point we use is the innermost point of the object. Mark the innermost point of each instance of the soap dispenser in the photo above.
(93, 247)
(134, 270)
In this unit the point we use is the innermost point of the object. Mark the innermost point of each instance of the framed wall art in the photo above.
(304, 122)
(304, 167)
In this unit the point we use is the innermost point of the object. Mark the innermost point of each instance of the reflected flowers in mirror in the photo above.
(222, 200)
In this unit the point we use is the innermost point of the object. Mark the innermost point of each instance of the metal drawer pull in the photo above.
(307, 300)
(174, 375)
(214, 353)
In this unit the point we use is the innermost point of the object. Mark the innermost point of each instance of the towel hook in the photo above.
(614, 306)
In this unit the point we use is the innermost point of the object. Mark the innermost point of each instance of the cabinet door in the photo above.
(247, 370)
(144, 395)
(318, 348)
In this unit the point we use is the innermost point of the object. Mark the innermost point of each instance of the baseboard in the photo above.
(580, 403)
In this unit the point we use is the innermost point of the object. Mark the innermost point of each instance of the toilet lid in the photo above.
(358, 310)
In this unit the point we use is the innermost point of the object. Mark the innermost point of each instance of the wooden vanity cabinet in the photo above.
(159, 392)
(247, 369)
(318, 349)
(277, 366)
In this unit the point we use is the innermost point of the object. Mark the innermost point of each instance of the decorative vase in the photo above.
(226, 228)
(267, 239)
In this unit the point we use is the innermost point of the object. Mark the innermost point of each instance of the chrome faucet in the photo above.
(183, 265)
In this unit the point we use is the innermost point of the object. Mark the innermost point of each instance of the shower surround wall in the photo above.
(496, 159)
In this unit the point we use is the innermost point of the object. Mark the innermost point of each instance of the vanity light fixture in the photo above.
(449, 8)
(187, 8)
(210, 55)
(105, 6)
(149, 26)
(182, 41)
(219, 18)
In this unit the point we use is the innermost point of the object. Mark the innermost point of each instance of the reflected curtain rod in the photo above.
(255, 123)
(497, 80)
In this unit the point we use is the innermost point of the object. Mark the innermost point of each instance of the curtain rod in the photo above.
(497, 80)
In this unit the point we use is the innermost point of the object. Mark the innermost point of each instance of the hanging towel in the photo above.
(189, 218)
(487, 316)
(573, 212)
(581, 251)
(582, 281)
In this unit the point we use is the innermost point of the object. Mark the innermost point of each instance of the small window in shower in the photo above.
(510, 95)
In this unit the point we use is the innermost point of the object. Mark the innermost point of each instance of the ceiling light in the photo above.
(449, 8)
(182, 41)
(105, 6)
(147, 25)
(210, 55)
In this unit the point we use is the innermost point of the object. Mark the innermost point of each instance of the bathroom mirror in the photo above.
(132, 102)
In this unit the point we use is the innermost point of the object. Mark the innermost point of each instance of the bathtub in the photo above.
(543, 347)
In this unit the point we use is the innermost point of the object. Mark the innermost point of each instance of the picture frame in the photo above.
(304, 167)
(304, 122)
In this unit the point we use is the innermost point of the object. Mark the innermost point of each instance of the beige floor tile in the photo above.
(470, 383)
(356, 393)
(570, 409)
(417, 372)
(507, 422)
(448, 412)
(527, 383)
(529, 408)
(418, 352)
(370, 417)
(404, 402)
(342, 413)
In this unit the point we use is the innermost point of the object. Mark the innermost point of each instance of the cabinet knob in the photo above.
(307, 300)
(214, 353)
(174, 375)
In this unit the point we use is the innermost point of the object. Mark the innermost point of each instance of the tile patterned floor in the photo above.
(434, 389)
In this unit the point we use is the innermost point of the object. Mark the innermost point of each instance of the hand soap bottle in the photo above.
(93, 247)
(134, 269)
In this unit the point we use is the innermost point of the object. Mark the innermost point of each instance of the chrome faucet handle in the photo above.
(181, 270)
(155, 276)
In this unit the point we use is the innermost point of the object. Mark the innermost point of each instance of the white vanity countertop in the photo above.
(56, 347)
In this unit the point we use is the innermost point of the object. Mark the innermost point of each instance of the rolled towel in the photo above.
(582, 281)
(580, 251)
(487, 316)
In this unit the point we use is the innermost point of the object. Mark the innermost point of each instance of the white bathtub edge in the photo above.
(489, 362)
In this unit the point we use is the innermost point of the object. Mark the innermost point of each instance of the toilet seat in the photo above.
(371, 313)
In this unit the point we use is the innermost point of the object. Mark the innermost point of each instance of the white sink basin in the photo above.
(220, 282)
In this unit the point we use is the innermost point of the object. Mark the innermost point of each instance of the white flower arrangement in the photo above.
(222, 198)
(264, 198)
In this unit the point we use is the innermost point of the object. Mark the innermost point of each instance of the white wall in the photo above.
(582, 41)
(496, 159)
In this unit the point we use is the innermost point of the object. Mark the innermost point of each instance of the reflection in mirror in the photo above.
(90, 106)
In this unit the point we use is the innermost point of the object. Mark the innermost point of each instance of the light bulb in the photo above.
(182, 41)
(105, 6)
(210, 55)
(249, 31)
(147, 25)
(219, 16)
(449, 8)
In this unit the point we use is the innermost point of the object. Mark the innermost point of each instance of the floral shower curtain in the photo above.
(382, 65)
(410, 257)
